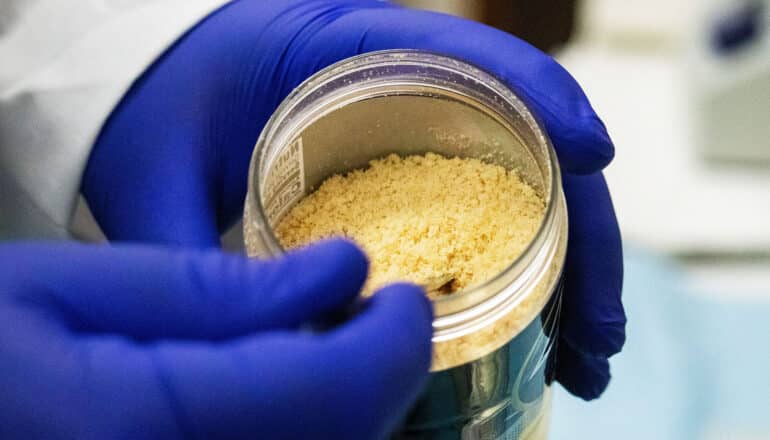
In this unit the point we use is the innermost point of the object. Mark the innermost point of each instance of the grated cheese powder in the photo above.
(445, 223)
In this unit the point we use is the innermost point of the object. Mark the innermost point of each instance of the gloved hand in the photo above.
(142, 342)
(170, 164)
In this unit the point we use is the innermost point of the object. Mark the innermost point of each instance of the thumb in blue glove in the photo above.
(141, 342)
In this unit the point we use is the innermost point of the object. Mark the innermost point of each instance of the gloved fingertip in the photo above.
(308, 284)
(584, 376)
(409, 295)
(585, 149)
(335, 254)
(604, 146)
(603, 339)
(403, 315)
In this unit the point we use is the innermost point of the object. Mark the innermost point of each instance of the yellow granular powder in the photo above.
(444, 223)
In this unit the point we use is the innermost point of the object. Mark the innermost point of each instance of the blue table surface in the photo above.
(694, 367)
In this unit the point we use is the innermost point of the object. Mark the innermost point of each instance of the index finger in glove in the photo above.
(148, 293)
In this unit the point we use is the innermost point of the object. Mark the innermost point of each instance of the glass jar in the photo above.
(492, 343)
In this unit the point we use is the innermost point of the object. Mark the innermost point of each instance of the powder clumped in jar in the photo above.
(445, 223)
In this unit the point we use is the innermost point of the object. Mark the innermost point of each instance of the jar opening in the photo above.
(405, 102)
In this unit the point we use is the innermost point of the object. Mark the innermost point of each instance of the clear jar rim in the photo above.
(461, 310)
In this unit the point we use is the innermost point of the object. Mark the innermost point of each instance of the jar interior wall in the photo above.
(351, 135)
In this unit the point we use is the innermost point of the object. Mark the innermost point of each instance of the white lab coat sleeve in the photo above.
(63, 67)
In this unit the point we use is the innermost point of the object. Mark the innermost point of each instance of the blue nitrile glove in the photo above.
(171, 162)
(139, 342)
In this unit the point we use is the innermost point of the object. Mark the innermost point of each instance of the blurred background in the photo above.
(684, 88)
